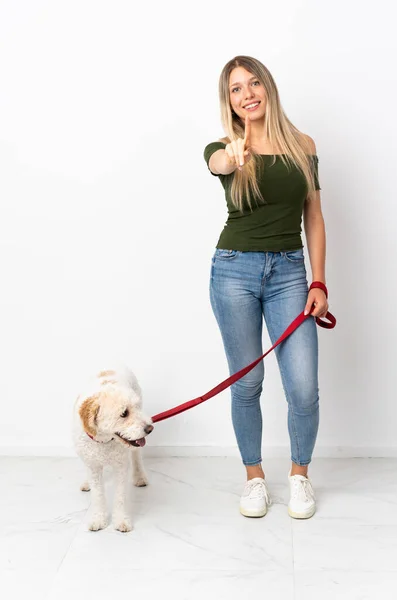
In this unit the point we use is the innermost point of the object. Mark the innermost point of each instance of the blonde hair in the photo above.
(281, 133)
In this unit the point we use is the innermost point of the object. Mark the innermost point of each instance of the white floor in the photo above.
(189, 540)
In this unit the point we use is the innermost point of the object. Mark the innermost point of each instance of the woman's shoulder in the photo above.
(220, 142)
(308, 144)
(211, 148)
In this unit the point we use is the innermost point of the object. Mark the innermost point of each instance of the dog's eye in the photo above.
(125, 414)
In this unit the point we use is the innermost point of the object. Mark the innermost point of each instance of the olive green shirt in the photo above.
(274, 225)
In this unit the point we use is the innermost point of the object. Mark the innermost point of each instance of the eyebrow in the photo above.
(239, 83)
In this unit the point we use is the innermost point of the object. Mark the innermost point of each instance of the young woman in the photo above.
(269, 171)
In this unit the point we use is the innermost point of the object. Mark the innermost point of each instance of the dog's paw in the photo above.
(140, 480)
(123, 525)
(85, 487)
(98, 522)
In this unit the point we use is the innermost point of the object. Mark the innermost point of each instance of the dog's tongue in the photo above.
(141, 442)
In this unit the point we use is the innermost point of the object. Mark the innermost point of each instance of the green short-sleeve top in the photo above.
(274, 225)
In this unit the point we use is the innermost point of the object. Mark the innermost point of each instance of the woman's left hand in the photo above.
(319, 299)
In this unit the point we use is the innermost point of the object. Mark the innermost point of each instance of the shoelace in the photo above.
(257, 490)
(303, 487)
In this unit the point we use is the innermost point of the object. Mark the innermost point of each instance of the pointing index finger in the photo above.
(247, 135)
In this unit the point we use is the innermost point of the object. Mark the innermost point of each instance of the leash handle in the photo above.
(321, 285)
(330, 325)
(236, 376)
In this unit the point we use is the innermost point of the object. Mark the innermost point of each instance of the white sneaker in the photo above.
(255, 498)
(302, 504)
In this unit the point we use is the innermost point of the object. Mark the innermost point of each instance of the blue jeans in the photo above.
(244, 286)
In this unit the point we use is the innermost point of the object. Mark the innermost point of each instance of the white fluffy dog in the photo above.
(109, 428)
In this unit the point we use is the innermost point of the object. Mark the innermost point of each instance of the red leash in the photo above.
(233, 378)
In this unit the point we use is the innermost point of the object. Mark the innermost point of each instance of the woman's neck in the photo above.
(258, 133)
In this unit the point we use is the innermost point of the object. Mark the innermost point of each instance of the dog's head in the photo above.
(116, 412)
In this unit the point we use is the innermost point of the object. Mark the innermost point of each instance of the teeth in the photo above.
(252, 105)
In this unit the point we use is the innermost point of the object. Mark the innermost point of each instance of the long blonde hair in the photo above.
(281, 133)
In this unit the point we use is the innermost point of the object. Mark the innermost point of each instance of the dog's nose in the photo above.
(148, 429)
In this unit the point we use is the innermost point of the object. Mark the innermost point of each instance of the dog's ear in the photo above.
(89, 414)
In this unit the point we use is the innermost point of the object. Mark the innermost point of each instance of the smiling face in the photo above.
(247, 94)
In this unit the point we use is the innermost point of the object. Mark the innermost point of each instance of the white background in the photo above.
(109, 216)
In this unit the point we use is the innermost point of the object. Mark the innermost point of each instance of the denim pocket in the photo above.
(295, 255)
(222, 254)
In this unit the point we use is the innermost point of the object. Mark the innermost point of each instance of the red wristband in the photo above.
(321, 285)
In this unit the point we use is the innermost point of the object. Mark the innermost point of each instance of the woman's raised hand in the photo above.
(238, 151)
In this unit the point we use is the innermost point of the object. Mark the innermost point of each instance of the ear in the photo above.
(89, 414)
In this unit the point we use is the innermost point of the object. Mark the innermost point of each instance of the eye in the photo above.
(255, 82)
(125, 414)
(234, 89)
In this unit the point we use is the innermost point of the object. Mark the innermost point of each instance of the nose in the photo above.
(148, 429)
(249, 93)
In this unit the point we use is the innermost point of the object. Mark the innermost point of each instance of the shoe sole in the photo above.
(305, 515)
(253, 515)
